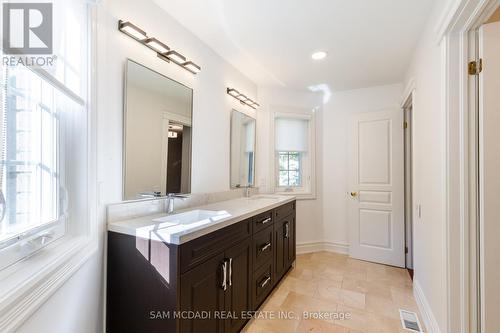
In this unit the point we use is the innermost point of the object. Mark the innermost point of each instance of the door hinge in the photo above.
(406, 249)
(405, 124)
(475, 67)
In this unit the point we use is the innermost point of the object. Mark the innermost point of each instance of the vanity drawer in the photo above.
(284, 211)
(201, 249)
(263, 283)
(262, 221)
(263, 247)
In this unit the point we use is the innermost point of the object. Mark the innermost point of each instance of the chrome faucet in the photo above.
(248, 189)
(171, 199)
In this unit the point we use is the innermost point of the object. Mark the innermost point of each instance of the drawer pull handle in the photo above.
(265, 247)
(265, 282)
(265, 221)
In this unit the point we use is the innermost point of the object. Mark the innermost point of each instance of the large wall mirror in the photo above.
(242, 150)
(157, 134)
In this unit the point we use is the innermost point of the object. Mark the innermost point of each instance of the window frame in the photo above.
(27, 284)
(308, 159)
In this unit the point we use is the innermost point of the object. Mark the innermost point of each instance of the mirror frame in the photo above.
(124, 127)
(231, 145)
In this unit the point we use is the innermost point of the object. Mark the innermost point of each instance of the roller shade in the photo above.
(291, 134)
(250, 136)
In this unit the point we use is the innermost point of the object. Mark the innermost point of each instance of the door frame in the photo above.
(409, 102)
(455, 35)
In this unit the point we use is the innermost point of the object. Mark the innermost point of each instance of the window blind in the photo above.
(291, 134)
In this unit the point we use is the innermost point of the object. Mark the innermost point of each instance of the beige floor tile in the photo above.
(299, 303)
(371, 294)
(341, 296)
(319, 326)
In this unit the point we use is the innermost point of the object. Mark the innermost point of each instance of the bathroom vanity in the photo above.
(199, 271)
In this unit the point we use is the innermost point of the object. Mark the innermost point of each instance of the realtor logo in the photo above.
(27, 28)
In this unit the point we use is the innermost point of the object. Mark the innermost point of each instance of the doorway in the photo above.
(408, 182)
(487, 80)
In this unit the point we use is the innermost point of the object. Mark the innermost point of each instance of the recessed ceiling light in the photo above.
(319, 55)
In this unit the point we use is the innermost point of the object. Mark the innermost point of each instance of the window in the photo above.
(43, 141)
(294, 152)
(289, 169)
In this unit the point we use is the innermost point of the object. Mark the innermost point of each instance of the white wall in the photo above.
(336, 123)
(309, 212)
(77, 306)
(429, 130)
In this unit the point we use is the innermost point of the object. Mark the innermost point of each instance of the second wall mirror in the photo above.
(242, 150)
(157, 134)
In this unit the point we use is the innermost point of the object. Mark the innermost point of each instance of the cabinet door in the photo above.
(238, 294)
(281, 259)
(290, 239)
(202, 293)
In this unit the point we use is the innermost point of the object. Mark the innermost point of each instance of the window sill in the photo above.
(298, 195)
(29, 283)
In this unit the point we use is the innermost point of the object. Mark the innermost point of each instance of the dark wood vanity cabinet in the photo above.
(207, 285)
(284, 235)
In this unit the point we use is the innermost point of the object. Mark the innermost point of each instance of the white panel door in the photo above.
(376, 205)
(489, 176)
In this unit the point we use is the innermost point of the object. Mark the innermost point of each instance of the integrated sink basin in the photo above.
(197, 216)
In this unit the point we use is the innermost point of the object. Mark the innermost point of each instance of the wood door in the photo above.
(376, 205)
(202, 292)
(238, 295)
(489, 175)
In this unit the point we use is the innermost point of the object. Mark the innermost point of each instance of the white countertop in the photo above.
(231, 211)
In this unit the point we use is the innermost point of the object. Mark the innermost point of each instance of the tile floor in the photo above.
(333, 283)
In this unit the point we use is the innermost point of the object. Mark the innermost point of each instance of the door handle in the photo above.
(230, 272)
(354, 194)
(287, 230)
(224, 275)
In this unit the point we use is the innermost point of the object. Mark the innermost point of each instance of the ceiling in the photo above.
(369, 42)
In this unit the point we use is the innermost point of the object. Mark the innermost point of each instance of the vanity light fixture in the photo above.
(156, 45)
(175, 57)
(132, 30)
(233, 92)
(192, 67)
(162, 50)
(242, 98)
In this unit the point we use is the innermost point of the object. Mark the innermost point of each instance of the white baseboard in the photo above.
(423, 305)
(322, 246)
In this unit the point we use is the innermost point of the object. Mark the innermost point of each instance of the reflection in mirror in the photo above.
(242, 150)
(157, 134)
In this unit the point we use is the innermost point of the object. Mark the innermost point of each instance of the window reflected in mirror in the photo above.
(242, 150)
